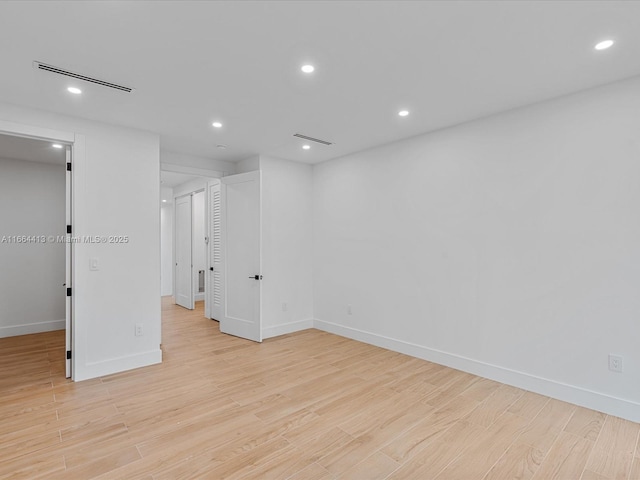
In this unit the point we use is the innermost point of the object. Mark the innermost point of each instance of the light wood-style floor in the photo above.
(306, 406)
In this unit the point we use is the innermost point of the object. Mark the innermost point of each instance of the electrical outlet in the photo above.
(285, 307)
(349, 309)
(615, 363)
(139, 331)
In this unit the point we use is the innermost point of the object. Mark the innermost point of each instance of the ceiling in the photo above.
(193, 63)
(19, 148)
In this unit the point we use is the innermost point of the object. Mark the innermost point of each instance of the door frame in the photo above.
(208, 175)
(76, 144)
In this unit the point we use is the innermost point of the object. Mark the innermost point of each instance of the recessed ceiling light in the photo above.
(74, 90)
(217, 124)
(308, 68)
(403, 113)
(164, 201)
(604, 45)
(56, 145)
(306, 147)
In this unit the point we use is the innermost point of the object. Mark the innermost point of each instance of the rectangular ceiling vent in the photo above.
(84, 78)
(311, 139)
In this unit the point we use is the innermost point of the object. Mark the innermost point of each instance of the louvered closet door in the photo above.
(216, 267)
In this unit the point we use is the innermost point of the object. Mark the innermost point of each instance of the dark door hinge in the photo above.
(68, 292)
(68, 166)
(68, 228)
(68, 354)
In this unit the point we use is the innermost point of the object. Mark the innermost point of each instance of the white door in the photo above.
(216, 265)
(183, 271)
(241, 244)
(67, 276)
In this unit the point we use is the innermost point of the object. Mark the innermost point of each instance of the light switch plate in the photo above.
(94, 264)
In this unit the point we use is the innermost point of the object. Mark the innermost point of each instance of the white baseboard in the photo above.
(198, 297)
(569, 393)
(29, 328)
(285, 328)
(116, 365)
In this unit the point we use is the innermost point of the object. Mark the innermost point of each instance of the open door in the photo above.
(183, 254)
(67, 276)
(241, 254)
(216, 266)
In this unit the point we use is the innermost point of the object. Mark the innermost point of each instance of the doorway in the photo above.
(218, 260)
(35, 242)
(184, 238)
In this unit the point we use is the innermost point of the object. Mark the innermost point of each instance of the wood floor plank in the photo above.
(29, 445)
(486, 451)
(494, 406)
(312, 472)
(100, 464)
(567, 456)
(520, 462)
(375, 467)
(305, 406)
(586, 423)
(481, 389)
(614, 449)
(544, 430)
(32, 465)
(434, 457)
(425, 431)
(634, 474)
(589, 475)
(528, 405)
(317, 440)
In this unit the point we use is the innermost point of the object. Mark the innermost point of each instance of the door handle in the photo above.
(256, 277)
(211, 268)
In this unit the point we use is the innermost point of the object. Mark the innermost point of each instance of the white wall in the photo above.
(508, 247)
(287, 239)
(199, 246)
(248, 165)
(190, 187)
(166, 242)
(126, 290)
(32, 203)
(196, 162)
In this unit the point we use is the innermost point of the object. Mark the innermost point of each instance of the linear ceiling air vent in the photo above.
(311, 139)
(60, 71)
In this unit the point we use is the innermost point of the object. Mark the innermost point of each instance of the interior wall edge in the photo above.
(119, 364)
(29, 328)
(285, 328)
(601, 402)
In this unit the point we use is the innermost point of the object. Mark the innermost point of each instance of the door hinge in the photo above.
(68, 354)
(68, 228)
(68, 166)
(69, 292)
